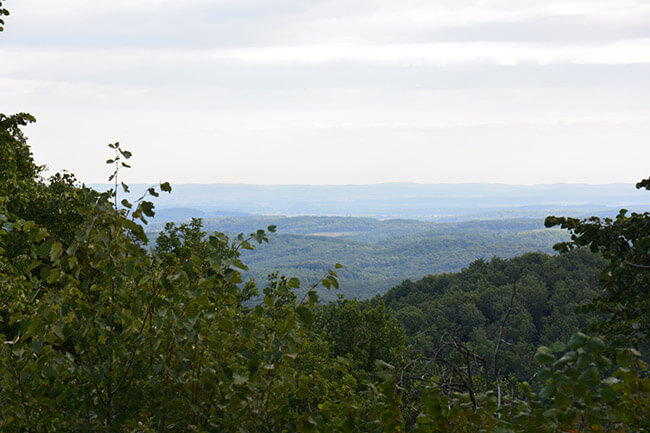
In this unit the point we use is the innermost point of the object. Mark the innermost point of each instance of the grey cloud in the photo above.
(291, 22)
(230, 23)
(558, 29)
(180, 74)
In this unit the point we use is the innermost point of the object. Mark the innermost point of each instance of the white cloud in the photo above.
(281, 91)
(297, 22)
(107, 64)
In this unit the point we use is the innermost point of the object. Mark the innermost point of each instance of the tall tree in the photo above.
(624, 242)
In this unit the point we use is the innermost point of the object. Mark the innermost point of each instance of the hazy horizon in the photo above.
(632, 185)
(395, 200)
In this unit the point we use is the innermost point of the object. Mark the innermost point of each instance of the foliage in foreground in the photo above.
(100, 333)
(624, 242)
(588, 387)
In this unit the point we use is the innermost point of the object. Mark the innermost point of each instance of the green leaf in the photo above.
(333, 281)
(56, 250)
(561, 401)
(126, 154)
(567, 358)
(305, 315)
(45, 248)
(53, 276)
(293, 283)
(147, 208)
(28, 225)
(224, 323)
(577, 340)
(313, 296)
(558, 346)
(583, 360)
(604, 362)
(544, 374)
(550, 413)
(40, 235)
(283, 291)
(36, 346)
(81, 235)
(166, 187)
(58, 332)
(548, 391)
(72, 248)
(590, 377)
(597, 415)
(259, 236)
(326, 283)
(544, 355)
(596, 344)
(608, 394)
(239, 379)
(624, 358)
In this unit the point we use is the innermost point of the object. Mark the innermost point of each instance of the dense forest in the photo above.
(361, 229)
(102, 330)
(376, 254)
(470, 305)
(370, 267)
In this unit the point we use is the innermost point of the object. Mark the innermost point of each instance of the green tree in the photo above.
(624, 242)
(24, 194)
(363, 333)
(3, 12)
(471, 305)
(16, 161)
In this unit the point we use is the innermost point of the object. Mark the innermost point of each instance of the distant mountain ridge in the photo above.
(439, 202)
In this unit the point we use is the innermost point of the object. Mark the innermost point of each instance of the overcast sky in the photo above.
(334, 91)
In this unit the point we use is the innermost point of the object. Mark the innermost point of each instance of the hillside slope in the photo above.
(472, 304)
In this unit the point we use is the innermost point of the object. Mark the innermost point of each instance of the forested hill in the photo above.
(365, 229)
(379, 254)
(472, 304)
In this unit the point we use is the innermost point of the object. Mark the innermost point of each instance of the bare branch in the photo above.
(635, 265)
(500, 340)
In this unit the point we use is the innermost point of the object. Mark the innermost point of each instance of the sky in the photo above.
(334, 91)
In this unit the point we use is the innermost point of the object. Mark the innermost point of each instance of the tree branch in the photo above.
(499, 340)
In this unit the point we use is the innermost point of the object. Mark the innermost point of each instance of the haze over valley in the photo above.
(433, 202)
(383, 234)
